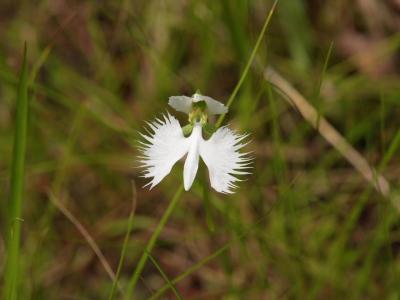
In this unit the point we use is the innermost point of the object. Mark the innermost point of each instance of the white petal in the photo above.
(181, 103)
(162, 148)
(223, 159)
(214, 107)
(192, 159)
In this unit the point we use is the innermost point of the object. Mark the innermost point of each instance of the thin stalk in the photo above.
(249, 62)
(169, 283)
(150, 245)
(318, 91)
(12, 276)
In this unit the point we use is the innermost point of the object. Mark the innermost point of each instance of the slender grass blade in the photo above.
(11, 281)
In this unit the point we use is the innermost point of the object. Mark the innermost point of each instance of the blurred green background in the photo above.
(304, 225)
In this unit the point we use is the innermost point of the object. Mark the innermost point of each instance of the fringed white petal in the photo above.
(221, 155)
(162, 148)
(181, 103)
(214, 107)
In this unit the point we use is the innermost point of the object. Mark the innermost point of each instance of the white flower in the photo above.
(166, 144)
(185, 103)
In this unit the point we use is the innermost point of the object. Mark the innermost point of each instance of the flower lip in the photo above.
(192, 159)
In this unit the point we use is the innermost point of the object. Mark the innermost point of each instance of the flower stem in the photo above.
(249, 62)
(150, 245)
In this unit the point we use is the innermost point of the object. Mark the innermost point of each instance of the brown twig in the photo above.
(329, 133)
(82, 230)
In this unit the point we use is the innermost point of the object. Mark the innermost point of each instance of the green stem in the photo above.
(150, 245)
(249, 62)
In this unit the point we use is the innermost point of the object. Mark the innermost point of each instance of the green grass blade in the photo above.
(39, 64)
(321, 79)
(11, 281)
(191, 270)
(393, 147)
(169, 283)
(296, 26)
(125, 245)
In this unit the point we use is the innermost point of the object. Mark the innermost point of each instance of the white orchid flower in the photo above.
(166, 144)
